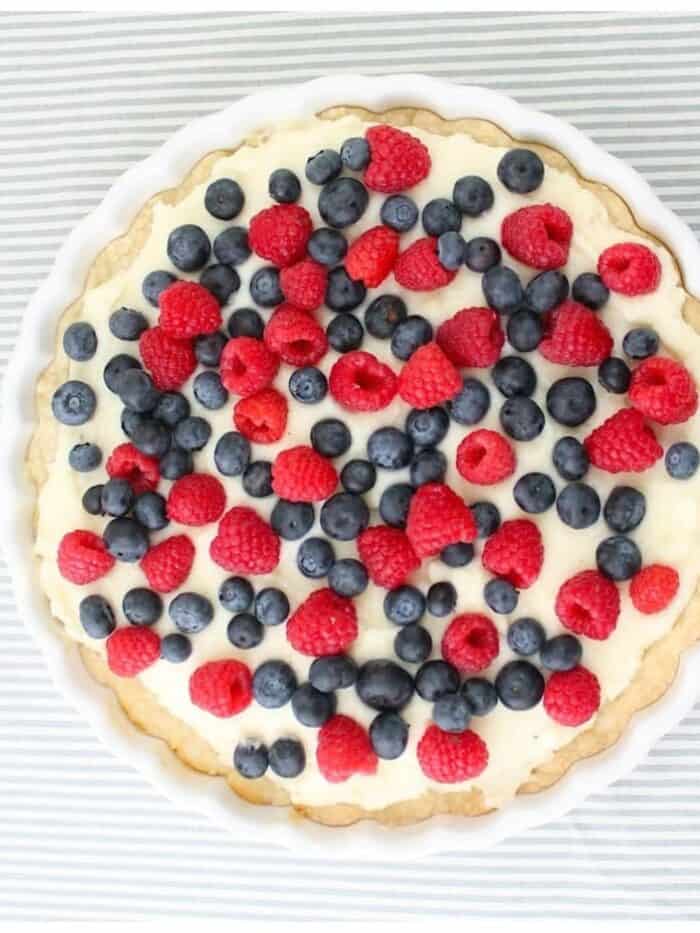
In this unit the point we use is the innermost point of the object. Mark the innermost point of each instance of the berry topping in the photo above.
(224, 199)
(588, 604)
(519, 685)
(131, 650)
(618, 557)
(485, 457)
(438, 517)
(572, 697)
(682, 460)
(623, 443)
(247, 365)
(384, 685)
(128, 463)
(280, 233)
(472, 195)
(188, 247)
(571, 401)
(170, 361)
(80, 339)
(342, 202)
(187, 310)
(419, 269)
(472, 337)
(640, 342)
(335, 672)
(653, 588)
(96, 616)
(397, 160)
(538, 236)
(359, 382)
(344, 749)
(300, 474)
(73, 403)
(449, 757)
(399, 212)
(262, 416)
(428, 378)
(245, 543)
(196, 499)
(471, 403)
(83, 558)
(371, 256)
(167, 565)
(526, 637)
(575, 336)
(324, 624)
(663, 390)
(388, 735)
(630, 269)
(222, 688)
(521, 171)
(470, 642)
(515, 552)
(304, 284)
(387, 554)
(589, 290)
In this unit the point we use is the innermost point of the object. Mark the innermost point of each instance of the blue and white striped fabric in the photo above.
(84, 97)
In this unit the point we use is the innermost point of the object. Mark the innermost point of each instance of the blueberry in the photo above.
(457, 555)
(519, 685)
(413, 644)
(345, 333)
(117, 497)
(244, 631)
(482, 254)
(126, 324)
(404, 605)
(287, 758)
(452, 712)
(524, 330)
(618, 557)
(481, 695)
(73, 403)
(246, 322)
(175, 648)
(92, 500)
(427, 427)
(224, 199)
(342, 202)
(150, 511)
(388, 734)
(640, 342)
(136, 390)
(323, 167)
(330, 437)
(221, 280)
(85, 457)
(125, 539)
(210, 391)
(451, 250)
(327, 246)
(399, 212)
(265, 288)
(409, 335)
(231, 246)
(348, 577)
(312, 707)
(236, 594)
(502, 289)
(142, 606)
(315, 557)
(487, 518)
(501, 596)
(534, 493)
(271, 606)
(442, 599)
(682, 460)
(333, 672)
(191, 612)
(389, 448)
(308, 385)
(344, 516)
(439, 216)
(130, 421)
(428, 466)
(394, 504)
(512, 375)
(383, 685)
(192, 433)
(291, 520)
(435, 679)
(472, 195)
(614, 375)
(188, 247)
(471, 403)
(96, 616)
(384, 314)
(80, 341)
(250, 759)
(358, 476)
(284, 186)
(155, 283)
(151, 437)
(342, 292)
(561, 653)
(588, 289)
(274, 682)
(578, 505)
(625, 508)
(521, 171)
(176, 463)
(571, 401)
(521, 418)
(355, 154)
(232, 454)
(525, 636)
(208, 348)
(172, 408)
(570, 458)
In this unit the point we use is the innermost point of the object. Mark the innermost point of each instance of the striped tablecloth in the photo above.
(84, 96)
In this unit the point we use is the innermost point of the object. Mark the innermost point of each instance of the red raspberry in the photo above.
(472, 337)
(663, 390)
(359, 382)
(261, 417)
(438, 517)
(397, 160)
(575, 336)
(630, 269)
(372, 256)
(280, 233)
(344, 749)
(131, 650)
(245, 543)
(538, 235)
(515, 552)
(588, 604)
(470, 642)
(247, 365)
(170, 362)
(222, 688)
(623, 443)
(196, 499)
(451, 757)
(140, 471)
(485, 457)
(300, 474)
(418, 267)
(167, 564)
(653, 588)
(323, 624)
(428, 378)
(187, 310)
(83, 558)
(295, 336)
(304, 284)
(387, 554)
(572, 697)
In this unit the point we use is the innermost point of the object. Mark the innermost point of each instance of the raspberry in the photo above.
(261, 417)
(245, 543)
(397, 160)
(304, 284)
(387, 554)
(140, 471)
(539, 235)
(663, 390)
(419, 269)
(196, 499)
(170, 362)
(515, 552)
(451, 757)
(323, 624)
(295, 336)
(470, 642)
(372, 256)
(485, 457)
(653, 588)
(630, 269)
(187, 310)
(572, 697)
(222, 688)
(359, 382)
(575, 336)
(167, 564)
(131, 650)
(472, 337)
(247, 365)
(438, 517)
(623, 443)
(344, 749)
(280, 233)
(428, 378)
(588, 604)
(83, 558)
(300, 474)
